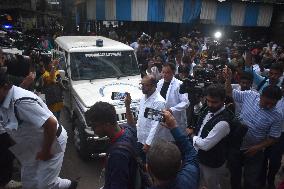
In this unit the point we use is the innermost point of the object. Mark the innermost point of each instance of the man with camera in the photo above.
(263, 120)
(170, 165)
(120, 166)
(176, 103)
(212, 129)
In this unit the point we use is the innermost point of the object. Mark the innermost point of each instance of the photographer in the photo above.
(120, 165)
(170, 165)
(212, 129)
(187, 61)
(183, 72)
(53, 87)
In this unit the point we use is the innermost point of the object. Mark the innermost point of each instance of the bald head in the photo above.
(148, 85)
(151, 79)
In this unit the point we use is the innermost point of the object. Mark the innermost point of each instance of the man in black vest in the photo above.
(212, 129)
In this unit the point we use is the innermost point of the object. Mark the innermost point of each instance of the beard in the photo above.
(213, 109)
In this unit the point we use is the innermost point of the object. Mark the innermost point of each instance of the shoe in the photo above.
(13, 185)
(73, 184)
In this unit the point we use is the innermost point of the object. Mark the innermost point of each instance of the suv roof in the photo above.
(88, 44)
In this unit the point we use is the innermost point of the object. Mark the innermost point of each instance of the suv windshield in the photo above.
(99, 65)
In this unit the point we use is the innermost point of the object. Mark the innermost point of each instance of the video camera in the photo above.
(192, 88)
(203, 77)
(145, 37)
(204, 74)
(245, 45)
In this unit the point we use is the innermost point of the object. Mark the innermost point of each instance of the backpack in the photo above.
(142, 179)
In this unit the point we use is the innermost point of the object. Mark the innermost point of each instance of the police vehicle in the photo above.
(95, 67)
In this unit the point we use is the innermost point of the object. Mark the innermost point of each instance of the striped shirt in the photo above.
(258, 79)
(261, 123)
(280, 107)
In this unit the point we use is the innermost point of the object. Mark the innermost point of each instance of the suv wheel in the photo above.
(80, 142)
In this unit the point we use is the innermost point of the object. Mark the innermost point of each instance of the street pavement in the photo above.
(88, 173)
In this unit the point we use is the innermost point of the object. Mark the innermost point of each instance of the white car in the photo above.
(95, 68)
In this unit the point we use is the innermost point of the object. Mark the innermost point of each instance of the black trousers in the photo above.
(6, 159)
(272, 162)
(252, 167)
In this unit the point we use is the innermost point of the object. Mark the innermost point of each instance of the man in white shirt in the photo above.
(212, 129)
(166, 44)
(39, 141)
(146, 128)
(176, 103)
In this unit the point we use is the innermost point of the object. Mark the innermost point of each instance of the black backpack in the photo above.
(142, 179)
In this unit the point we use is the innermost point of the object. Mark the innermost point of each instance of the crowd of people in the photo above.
(237, 132)
(220, 109)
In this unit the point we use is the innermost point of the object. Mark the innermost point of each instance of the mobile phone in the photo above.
(118, 95)
(153, 114)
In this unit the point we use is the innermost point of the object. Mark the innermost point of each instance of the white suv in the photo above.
(95, 68)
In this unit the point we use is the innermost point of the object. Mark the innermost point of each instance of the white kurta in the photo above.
(146, 128)
(178, 103)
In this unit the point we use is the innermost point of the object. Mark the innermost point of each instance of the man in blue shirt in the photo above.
(171, 166)
(120, 165)
(274, 76)
(273, 154)
(260, 114)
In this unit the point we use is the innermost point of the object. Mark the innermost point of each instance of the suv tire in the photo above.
(80, 141)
